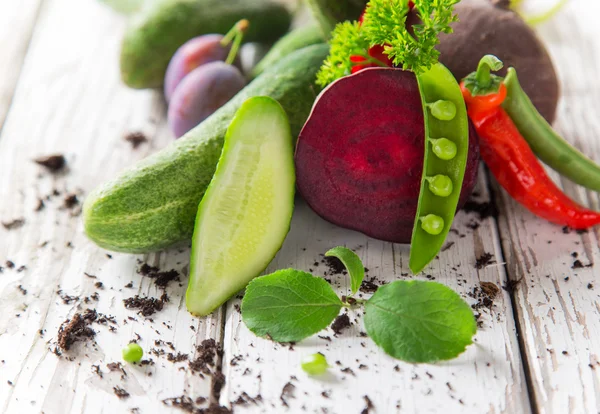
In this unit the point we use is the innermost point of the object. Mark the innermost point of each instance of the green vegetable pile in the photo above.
(414, 321)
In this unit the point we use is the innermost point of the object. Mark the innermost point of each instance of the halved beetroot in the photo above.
(359, 157)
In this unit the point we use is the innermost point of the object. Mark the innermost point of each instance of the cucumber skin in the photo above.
(294, 40)
(153, 205)
(157, 33)
(330, 12)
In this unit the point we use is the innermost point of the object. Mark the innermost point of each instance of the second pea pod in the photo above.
(444, 163)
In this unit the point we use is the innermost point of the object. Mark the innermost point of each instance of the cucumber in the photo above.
(330, 12)
(246, 212)
(157, 32)
(152, 205)
(294, 40)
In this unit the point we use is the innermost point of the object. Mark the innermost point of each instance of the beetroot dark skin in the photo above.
(359, 157)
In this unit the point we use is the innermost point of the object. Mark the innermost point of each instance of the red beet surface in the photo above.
(359, 157)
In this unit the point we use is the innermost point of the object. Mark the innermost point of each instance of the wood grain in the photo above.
(70, 100)
(556, 301)
(487, 378)
(17, 21)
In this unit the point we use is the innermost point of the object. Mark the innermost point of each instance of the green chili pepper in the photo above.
(550, 147)
(446, 151)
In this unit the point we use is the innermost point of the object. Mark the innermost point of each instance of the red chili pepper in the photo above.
(516, 167)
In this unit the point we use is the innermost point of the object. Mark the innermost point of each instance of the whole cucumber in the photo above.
(153, 204)
(157, 33)
(330, 12)
(294, 40)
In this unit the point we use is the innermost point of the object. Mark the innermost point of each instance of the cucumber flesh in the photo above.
(246, 211)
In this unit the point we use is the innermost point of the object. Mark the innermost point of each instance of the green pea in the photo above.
(443, 110)
(432, 224)
(133, 353)
(444, 148)
(440, 185)
(315, 364)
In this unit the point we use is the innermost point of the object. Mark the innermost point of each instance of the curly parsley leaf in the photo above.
(418, 321)
(352, 262)
(346, 40)
(384, 24)
(289, 305)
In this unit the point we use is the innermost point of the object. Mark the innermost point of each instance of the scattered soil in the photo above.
(335, 265)
(287, 392)
(340, 323)
(136, 139)
(188, 405)
(71, 201)
(489, 289)
(511, 285)
(9, 264)
(577, 264)
(161, 279)
(369, 286)
(369, 405)
(147, 306)
(76, 329)
(40, 205)
(14, 224)
(179, 357)
(53, 163)
(207, 353)
(120, 392)
(484, 260)
(245, 399)
(484, 210)
(485, 294)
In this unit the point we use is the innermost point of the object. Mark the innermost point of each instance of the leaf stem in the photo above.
(235, 36)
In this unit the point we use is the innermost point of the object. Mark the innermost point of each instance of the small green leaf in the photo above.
(356, 270)
(418, 321)
(289, 305)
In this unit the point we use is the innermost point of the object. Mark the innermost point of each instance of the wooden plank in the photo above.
(487, 378)
(17, 20)
(70, 100)
(556, 302)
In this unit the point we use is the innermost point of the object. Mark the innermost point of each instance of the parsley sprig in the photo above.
(384, 24)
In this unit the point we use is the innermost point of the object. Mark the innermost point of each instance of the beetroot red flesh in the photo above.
(359, 157)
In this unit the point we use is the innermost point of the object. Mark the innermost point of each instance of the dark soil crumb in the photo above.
(9, 264)
(207, 353)
(136, 139)
(287, 392)
(348, 371)
(484, 260)
(115, 366)
(21, 269)
(590, 286)
(369, 285)
(245, 399)
(335, 265)
(369, 405)
(511, 286)
(326, 338)
(340, 323)
(447, 246)
(484, 210)
(120, 392)
(186, 404)
(96, 370)
(14, 224)
(147, 306)
(54, 163)
(67, 299)
(161, 279)
(490, 289)
(567, 230)
(218, 383)
(71, 201)
(40, 205)
(22, 290)
(578, 265)
(76, 329)
(179, 357)
(235, 360)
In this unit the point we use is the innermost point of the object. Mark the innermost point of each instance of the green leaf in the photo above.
(289, 305)
(356, 270)
(418, 321)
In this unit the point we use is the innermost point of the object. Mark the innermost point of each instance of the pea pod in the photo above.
(444, 164)
(550, 147)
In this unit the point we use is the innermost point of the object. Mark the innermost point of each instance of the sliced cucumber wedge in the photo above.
(246, 211)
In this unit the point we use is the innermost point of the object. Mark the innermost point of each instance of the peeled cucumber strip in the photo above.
(246, 211)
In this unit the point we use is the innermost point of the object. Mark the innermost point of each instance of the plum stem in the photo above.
(235, 37)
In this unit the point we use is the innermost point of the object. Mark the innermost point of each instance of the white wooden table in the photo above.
(537, 349)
